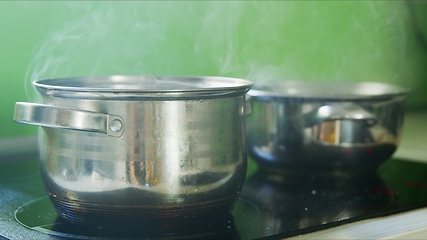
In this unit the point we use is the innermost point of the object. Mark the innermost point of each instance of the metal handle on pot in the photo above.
(328, 128)
(68, 118)
(341, 111)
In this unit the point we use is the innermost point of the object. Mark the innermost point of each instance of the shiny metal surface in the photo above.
(339, 111)
(337, 90)
(287, 130)
(178, 157)
(68, 118)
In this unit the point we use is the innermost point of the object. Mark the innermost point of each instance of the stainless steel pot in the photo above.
(138, 148)
(324, 125)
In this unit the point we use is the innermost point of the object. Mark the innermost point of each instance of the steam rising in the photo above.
(98, 38)
(257, 40)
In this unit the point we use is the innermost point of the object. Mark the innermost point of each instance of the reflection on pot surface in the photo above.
(293, 123)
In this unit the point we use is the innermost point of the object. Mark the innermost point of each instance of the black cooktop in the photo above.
(272, 204)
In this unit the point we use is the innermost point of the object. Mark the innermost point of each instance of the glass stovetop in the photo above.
(271, 204)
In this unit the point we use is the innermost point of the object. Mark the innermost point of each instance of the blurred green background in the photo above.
(261, 41)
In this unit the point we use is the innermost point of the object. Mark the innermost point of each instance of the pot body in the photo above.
(168, 158)
(324, 132)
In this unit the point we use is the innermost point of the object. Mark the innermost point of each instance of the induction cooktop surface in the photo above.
(272, 204)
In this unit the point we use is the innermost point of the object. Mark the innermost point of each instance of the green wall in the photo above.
(260, 41)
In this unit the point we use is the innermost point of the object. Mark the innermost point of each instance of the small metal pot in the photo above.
(324, 125)
(140, 149)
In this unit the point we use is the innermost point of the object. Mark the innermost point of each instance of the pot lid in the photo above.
(142, 86)
(326, 90)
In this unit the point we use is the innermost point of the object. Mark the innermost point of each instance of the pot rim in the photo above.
(323, 90)
(142, 85)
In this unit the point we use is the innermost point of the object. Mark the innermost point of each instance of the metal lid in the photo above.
(120, 86)
(326, 90)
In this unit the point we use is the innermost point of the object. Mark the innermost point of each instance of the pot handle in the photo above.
(341, 111)
(68, 118)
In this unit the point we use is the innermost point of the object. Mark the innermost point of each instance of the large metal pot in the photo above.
(126, 149)
(324, 126)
